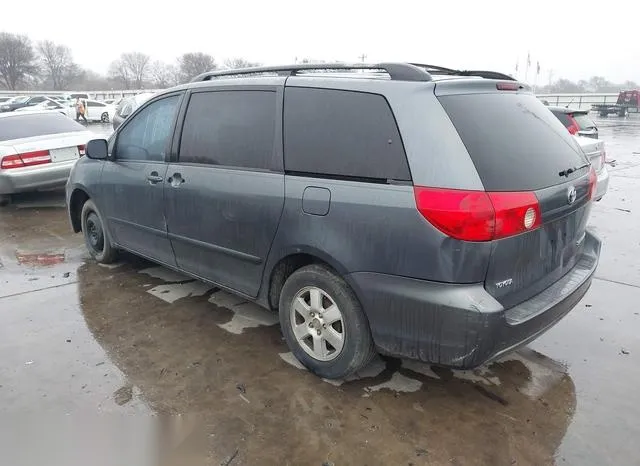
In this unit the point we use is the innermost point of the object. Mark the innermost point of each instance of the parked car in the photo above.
(372, 214)
(595, 151)
(99, 111)
(127, 106)
(22, 101)
(4, 98)
(37, 151)
(578, 122)
(50, 105)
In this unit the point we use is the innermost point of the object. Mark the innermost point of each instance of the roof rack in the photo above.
(396, 71)
(432, 69)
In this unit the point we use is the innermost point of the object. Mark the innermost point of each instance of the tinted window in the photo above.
(146, 136)
(342, 133)
(514, 141)
(125, 109)
(36, 100)
(28, 125)
(230, 128)
(584, 122)
(563, 117)
(94, 104)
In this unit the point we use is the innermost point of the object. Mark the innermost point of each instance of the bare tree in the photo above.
(58, 64)
(193, 64)
(237, 63)
(17, 60)
(119, 72)
(138, 66)
(163, 75)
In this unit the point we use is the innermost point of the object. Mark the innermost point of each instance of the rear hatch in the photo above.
(523, 154)
(586, 126)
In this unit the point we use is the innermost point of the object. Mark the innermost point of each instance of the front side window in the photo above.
(230, 128)
(146, 136)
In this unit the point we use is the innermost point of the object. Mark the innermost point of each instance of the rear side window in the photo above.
(28, 125)
(343, 134)
(515, 142)
(230, 128)
(564, 118)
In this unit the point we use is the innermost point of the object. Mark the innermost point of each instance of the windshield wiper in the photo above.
(570, 170)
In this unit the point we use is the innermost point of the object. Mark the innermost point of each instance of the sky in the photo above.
(561, 35)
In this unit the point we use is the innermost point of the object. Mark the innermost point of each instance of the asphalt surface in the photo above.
(97, 362)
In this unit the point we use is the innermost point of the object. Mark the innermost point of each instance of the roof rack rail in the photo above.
(451, 72)
(396, 71)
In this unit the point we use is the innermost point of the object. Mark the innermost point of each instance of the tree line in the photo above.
(47, 65)
(594, 84)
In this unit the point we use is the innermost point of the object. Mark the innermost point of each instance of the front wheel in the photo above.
(95, 235)
(104, 117)
(323, 323)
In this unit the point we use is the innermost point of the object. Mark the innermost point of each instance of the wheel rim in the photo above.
(317, 323)
(94, 233)
(105, 117)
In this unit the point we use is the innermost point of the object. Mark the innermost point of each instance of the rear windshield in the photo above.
(584, 122)
(29, 125)
(515, 142)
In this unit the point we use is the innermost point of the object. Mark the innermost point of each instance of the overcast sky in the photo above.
(563, 35)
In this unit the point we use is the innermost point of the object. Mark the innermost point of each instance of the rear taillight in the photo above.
(508, 86)
(573, 127)
(478, 215)
(593, 180)
(28, 159)
(81, 149)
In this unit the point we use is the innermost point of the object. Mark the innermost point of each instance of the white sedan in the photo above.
(37, 150)
(98, 111)
(50, 105)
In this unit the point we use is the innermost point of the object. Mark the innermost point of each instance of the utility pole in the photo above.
(362, 57)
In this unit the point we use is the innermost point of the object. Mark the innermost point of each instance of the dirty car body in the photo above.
(379, 203)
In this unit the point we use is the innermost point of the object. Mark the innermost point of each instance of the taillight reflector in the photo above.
(573, 127)
(593, 180)
(28, 159)
(81, 150)
(478, 215)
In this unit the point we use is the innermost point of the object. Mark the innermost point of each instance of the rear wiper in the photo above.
(570, 170)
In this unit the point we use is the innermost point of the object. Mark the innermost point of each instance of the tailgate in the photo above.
(517, 145)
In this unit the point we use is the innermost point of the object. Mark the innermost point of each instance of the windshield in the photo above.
(515, 142)
(19, 99)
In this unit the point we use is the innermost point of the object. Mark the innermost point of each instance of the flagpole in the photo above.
(526, 70)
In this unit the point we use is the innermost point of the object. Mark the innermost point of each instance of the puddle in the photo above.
(40, 259)
(420, 368)
(397, 383)
(165, 274)
(249, 315)
(174, 291)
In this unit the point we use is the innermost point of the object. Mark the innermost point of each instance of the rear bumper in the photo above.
(603, 183)
(463, 326)
(46, 176)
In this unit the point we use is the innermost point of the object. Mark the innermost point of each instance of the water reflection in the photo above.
(246, 398)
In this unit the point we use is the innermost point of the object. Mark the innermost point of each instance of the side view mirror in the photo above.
(97, 149)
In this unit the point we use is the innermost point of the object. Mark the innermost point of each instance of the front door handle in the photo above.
(154, 178)
(176, 180)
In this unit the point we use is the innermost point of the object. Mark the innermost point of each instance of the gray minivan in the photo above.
(410, 210)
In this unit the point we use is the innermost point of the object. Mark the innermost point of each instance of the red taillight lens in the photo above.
(573, 127)
(593, 180)
(81, 150)
(28, 159)
(508, 86)
(478, 215)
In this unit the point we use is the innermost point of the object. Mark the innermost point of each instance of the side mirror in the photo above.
(97, 149)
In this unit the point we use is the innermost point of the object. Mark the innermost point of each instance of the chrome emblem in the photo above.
(571, 195)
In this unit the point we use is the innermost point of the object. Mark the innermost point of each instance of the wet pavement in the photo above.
(139, 342)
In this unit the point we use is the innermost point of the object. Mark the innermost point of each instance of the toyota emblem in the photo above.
(571, 195)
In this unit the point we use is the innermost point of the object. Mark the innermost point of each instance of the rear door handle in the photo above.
(176, 180)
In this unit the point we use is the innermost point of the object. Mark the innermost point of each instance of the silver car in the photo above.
(595, 152)
(37, 151)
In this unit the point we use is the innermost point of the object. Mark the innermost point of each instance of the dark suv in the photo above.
(407, 209)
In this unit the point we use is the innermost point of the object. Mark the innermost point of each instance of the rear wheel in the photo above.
(95, 235)
(324, 324)
(104, 117)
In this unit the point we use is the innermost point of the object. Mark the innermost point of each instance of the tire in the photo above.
(96, 237)
(104, 118)
(5, 200)
(348, 354)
